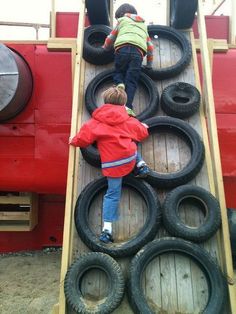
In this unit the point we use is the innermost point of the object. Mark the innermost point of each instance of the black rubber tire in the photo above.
(216, 282)
(232, 230)
(176, 227)
(107, 76)
(182, 13)
(191, 137)
(180, 100)
(75, 273)
(127, 248)
(181, 41)
(165, 180)
(94, 37)
(98, 13)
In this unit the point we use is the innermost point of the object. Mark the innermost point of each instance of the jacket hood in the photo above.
(110, 114)
(135, 17)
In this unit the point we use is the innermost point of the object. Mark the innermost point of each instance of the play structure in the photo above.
(155, 265)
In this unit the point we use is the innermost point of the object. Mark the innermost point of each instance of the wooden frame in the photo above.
(232, 28)
(216, 162)
(72, 177)
(19, 220)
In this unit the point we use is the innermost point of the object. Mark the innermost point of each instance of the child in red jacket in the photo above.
(116, 134)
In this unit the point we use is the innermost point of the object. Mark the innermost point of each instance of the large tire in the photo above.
(175, 225)
(181, 41)
(180, 100)
(182, 13)
(106, 77)
(73, 280)
(191, 137)
(232, 230)
(94, 37)
(216, 282)
(98, 13)
(127, 248)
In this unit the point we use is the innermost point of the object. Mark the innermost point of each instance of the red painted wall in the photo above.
(34, 149)
(217, 27)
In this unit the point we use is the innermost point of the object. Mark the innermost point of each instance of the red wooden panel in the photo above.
(217, 27)
(67, 24)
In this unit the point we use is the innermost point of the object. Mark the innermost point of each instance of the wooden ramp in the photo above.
(172, 283)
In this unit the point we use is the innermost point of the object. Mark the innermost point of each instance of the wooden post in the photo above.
(53, 19)
(232, 28)
(168, 12)
(216, 162)
(111, 13)
(73, 159)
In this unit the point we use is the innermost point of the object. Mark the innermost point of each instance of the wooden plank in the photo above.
(53, 19)
(219, 45)
(70, 193)
(217, 172)
(22, 200)
(24, 42)
(55, 309)
(63, 44)
(14, 216)
(13, 227)
(232, 26)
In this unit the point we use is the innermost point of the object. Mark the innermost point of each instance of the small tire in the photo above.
(94, 37)
(73, 280)
(182, 13)
(216, 282)
(98, 15)
(176, 227)
(191, 137)
(126, 248)
(107, 76)
(181, 41)
(180, 100)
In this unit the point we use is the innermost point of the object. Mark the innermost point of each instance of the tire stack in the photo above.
(179, 101)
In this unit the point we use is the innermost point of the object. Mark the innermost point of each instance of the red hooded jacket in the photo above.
(115, 133)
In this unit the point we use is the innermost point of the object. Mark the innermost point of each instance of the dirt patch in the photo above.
(29, 281)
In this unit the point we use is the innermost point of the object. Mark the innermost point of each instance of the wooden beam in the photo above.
(53, 19)
(232, 25)
(15, 227)
(111, 13)
(14, 216)
(219, 45)
(21, 200)
(24, 42)
(63, 44)
(216, 162)
(72, 163)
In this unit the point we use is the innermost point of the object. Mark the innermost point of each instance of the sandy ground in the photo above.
(29, 282)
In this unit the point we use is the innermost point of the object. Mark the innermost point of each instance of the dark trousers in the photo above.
(128, 62)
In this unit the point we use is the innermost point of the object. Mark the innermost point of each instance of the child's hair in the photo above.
(115, 96)
(125, 8)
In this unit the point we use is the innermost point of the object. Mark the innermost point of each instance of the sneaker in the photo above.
(121, 86)
(106, 237)
(130, 112)
(142, 171)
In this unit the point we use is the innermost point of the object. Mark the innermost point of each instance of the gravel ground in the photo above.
(29, 281)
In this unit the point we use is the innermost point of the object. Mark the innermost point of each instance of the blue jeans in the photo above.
(128, 62)
(111, 200)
